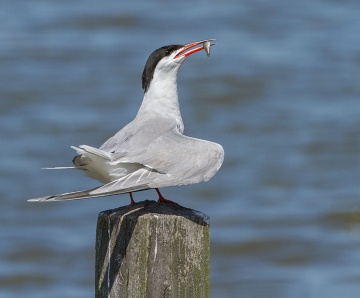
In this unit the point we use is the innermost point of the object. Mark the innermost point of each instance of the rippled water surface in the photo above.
(280, 92)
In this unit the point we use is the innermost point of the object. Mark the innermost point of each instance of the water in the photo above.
(280, 92)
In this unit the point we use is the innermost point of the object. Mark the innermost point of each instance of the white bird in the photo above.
(151, 151)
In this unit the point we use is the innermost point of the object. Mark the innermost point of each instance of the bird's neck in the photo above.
(161, 99)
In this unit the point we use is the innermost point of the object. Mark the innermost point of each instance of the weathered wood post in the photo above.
(152, 250)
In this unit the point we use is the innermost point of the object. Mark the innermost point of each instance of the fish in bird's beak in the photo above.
(191, 48)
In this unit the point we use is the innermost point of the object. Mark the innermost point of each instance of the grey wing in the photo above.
(178, 159)
(169, 160)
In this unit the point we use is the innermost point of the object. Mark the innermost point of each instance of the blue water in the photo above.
(280, 92)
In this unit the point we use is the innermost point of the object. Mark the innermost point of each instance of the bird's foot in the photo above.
(162, 199)
(132, 202)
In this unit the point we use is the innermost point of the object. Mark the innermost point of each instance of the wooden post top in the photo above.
(153, 207)
(152, 249)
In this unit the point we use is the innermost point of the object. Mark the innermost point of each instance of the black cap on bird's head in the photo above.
(174, 54)
(153, 60)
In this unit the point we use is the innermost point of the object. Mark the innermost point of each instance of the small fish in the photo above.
(207, 46)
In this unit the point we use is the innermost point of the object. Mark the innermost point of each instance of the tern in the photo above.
(150, 152)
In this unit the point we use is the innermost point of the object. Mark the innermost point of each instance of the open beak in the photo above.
(191, 48)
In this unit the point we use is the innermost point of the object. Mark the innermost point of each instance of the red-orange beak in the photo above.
(189, 49)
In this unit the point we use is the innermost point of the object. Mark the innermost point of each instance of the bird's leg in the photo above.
(132, 202)
(162, 199)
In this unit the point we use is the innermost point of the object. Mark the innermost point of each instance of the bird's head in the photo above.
(167, 60)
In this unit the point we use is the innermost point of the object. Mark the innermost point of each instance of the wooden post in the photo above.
(152, 250)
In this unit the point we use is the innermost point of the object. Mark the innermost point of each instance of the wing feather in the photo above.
(187, 160)
(86, 194)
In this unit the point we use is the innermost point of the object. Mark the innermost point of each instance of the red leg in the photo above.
(161, 198)
(132, 202)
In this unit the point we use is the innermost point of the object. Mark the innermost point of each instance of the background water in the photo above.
(280, 92)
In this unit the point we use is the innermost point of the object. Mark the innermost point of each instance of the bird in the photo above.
(151, 152)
